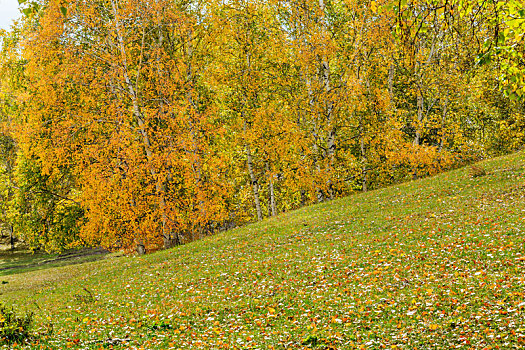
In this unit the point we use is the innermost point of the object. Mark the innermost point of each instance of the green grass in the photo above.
(435, 263)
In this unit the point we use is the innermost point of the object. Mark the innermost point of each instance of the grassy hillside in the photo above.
(434, 263)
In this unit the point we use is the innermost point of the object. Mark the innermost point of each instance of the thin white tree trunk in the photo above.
(253, 178)
(391, 72)
(132, 90)
(364, 169)
(272, 211)
(329, 105)
(443, 121)
(420, 110)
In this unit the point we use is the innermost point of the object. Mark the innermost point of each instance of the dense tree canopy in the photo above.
(126, 122)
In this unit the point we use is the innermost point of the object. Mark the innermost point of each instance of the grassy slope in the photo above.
(434, 263)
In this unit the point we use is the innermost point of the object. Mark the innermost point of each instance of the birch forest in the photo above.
(159, 122)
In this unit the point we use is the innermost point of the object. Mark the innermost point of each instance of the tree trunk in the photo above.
(329, 106)
(159, 188)
(417, 138)
(167, 235)
(391, 72)
(315, 134)
(420, 110)
(193, 101)
(303, 197)
(141, 249)
(271, 205)
(364, 169)
(253, 179)
(443, 120)
(11, 237)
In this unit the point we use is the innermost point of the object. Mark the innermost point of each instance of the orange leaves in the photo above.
(177, 121)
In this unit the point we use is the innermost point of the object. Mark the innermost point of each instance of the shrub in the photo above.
(476, 171)
(13, 327)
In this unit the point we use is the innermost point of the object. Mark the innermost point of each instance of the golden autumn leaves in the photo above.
(160, 122)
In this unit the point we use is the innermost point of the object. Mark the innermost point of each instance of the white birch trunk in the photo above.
(132, 90)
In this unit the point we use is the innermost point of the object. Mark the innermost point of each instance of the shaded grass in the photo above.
(434, 263)
(20, 256)
(23, 260)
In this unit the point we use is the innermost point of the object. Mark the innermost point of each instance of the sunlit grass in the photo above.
(434, 263)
